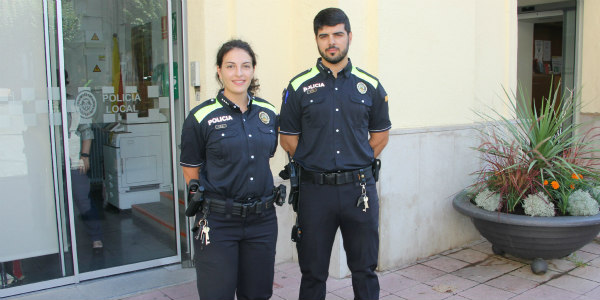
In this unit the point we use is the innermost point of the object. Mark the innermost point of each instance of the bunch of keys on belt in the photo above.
(202, 234)
(363, 198)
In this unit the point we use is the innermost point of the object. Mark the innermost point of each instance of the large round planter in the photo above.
(530, 237)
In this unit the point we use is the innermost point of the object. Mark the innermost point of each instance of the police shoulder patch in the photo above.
(361, 87)
(264, 117)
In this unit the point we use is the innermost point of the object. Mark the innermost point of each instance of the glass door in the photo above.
(86, 141)
(117, 67)
(34, 246)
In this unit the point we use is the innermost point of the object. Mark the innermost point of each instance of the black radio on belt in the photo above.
(296, 232)
(195, 197)
(375, 167)
(279, 194)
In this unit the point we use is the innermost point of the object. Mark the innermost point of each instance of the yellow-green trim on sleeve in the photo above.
(203, 112)
(296, 83)
(266, 105)
(366, 77)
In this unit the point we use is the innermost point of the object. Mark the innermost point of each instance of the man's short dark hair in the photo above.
(331, 17)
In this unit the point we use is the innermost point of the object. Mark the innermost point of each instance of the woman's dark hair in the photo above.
(239, 44)
(331, 17)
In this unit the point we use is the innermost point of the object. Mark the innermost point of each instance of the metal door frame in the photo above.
(135, 266)
(77, 276)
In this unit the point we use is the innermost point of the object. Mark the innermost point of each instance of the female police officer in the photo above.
(226, 144)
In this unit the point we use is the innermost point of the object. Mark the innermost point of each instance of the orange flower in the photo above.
(572, 186)
(555, 185)
(545, 182)
(575, 176)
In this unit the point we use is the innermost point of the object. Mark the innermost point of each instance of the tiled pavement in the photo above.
(470, 272)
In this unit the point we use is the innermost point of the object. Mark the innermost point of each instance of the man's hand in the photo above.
(289, 143)
(378, 141)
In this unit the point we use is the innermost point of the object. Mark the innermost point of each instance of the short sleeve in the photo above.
(379, 117)
(85, 132)
(290, 115)
(193, 146)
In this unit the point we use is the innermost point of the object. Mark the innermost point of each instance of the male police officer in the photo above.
(334, 121)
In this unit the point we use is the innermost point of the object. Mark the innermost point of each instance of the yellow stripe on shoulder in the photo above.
(364, 76)
(266, 105)
(296, 83)
(203, 112)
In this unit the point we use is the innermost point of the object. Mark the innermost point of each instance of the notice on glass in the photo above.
(547, 50)
(539, 50)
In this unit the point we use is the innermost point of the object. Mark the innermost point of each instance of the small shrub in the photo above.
(488, 200)
(538, 205)
(581, 203)
(595, 193)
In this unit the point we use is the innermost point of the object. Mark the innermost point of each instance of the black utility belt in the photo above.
(240, 209)
(336, 178)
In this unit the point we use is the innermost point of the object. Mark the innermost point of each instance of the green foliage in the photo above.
(536, 150)
(70, 22)
(140, 12)
(574, 259)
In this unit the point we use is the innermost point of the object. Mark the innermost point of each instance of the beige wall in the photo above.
(590, 58)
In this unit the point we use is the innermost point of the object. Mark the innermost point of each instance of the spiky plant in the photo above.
(524, 150)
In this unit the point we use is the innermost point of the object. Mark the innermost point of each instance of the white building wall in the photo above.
(422, 170)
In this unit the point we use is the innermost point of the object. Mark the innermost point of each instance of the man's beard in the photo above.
(336, 59)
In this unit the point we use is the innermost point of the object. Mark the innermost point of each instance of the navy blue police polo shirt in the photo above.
(333, 117)
(232, 149)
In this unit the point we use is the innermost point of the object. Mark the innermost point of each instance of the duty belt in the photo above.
(335, 178)
(240, 209)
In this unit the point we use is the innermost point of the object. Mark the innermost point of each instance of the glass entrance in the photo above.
(116, 62)
(32, 236)
(117, 88)
(86, 140)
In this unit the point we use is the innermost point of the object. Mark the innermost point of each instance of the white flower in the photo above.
(581, 203)
(538, 205)
(488, 200)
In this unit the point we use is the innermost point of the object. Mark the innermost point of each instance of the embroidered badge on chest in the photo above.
(220, 126)
(264, 117)
(219, 119)
(361, 87)
(313, 87)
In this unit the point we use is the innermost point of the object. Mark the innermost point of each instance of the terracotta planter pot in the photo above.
(530, 237)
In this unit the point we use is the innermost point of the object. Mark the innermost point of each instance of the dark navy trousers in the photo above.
(322, 210)
(240, 258)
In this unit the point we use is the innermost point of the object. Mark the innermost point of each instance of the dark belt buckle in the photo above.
(329, 178)
(246, 208)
